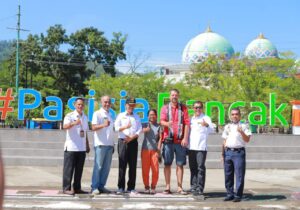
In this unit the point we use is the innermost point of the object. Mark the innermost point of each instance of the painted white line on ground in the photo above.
(153, 206)
(274, 206)
(60, 205)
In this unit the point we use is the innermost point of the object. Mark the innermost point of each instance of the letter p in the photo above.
(35, 100)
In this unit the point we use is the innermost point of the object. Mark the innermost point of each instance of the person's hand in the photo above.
(222, 159)
(203, 123)
(128, 125)
(127, 139)
(239, 129)
(88, 149)
(170, 124)
(106, 123)
(77, 122)
(147, 129)
(158, 156)
(184, 142)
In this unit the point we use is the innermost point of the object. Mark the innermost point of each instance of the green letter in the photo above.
(190, 103)
(276, 113)
(220, 106)
(262, 114)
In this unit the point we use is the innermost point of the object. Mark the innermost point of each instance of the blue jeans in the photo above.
(168, 154)
(235, 164)
(102, 162)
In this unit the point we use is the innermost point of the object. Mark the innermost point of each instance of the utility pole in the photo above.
(18, 29)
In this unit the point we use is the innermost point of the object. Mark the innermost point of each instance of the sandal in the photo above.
(182, 192)
(167, 192)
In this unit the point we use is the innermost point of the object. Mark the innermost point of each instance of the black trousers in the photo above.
(127, 155)
(198, 170)
(73, 164)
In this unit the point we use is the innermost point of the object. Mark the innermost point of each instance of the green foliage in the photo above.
(6, 50)
(141, 86)
(59, 61)
(245, 80)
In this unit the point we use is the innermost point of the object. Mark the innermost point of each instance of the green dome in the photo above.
(205, 44)
(261, 48)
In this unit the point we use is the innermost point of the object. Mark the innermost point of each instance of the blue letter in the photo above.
(113, 113)
(91, 105)
(58, 108)
(144, 110)
(123, 93)
(71, 102)
(22, 105)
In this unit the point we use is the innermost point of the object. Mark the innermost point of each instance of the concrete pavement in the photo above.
(38, 188)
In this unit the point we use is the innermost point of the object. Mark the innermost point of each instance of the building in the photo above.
(211, 43)
(261, 48)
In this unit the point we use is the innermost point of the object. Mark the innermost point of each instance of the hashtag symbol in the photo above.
(4, 108)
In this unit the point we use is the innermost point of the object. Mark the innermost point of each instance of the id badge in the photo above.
(81, 133)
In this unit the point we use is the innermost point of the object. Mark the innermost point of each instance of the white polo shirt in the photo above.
(233, 138)
(124, 119)
(103, 136)
(199, 133)
(73, 140)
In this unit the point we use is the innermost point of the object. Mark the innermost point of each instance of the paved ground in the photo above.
(39, 188)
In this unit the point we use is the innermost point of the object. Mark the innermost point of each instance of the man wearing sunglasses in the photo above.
(200, 127)
(235, 135)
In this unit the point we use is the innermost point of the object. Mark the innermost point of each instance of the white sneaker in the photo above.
(133, 192)
(95, 192)
(120, 191)
(152, 192)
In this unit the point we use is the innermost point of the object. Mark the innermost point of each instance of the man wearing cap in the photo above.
(102, 125)
(128, 124)
(174, 118)
(235, 135)
(76, 145)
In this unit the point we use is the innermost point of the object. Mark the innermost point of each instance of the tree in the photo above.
(246, 80)
(89, 44)
(140, 86)
(59, 61)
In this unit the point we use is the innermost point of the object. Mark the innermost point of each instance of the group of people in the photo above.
(176, 136)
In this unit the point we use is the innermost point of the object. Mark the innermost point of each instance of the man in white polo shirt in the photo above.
(235, 135)
(102, 125)
(76, 145)
(201, 126)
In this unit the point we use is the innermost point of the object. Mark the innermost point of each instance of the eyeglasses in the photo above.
(198, 107)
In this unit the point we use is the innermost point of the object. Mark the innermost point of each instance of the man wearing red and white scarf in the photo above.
(174, 118)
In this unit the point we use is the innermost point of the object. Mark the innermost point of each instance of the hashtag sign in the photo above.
(4, 108)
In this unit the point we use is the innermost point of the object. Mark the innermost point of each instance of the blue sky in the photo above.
(160, 29)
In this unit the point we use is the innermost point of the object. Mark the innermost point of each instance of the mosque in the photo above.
(211, 43)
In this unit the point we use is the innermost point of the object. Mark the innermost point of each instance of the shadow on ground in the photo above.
(249, 196)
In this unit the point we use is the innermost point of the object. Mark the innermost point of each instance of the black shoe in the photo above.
(228, 198)
(195, 193)
(80, 192)
(236, 200)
